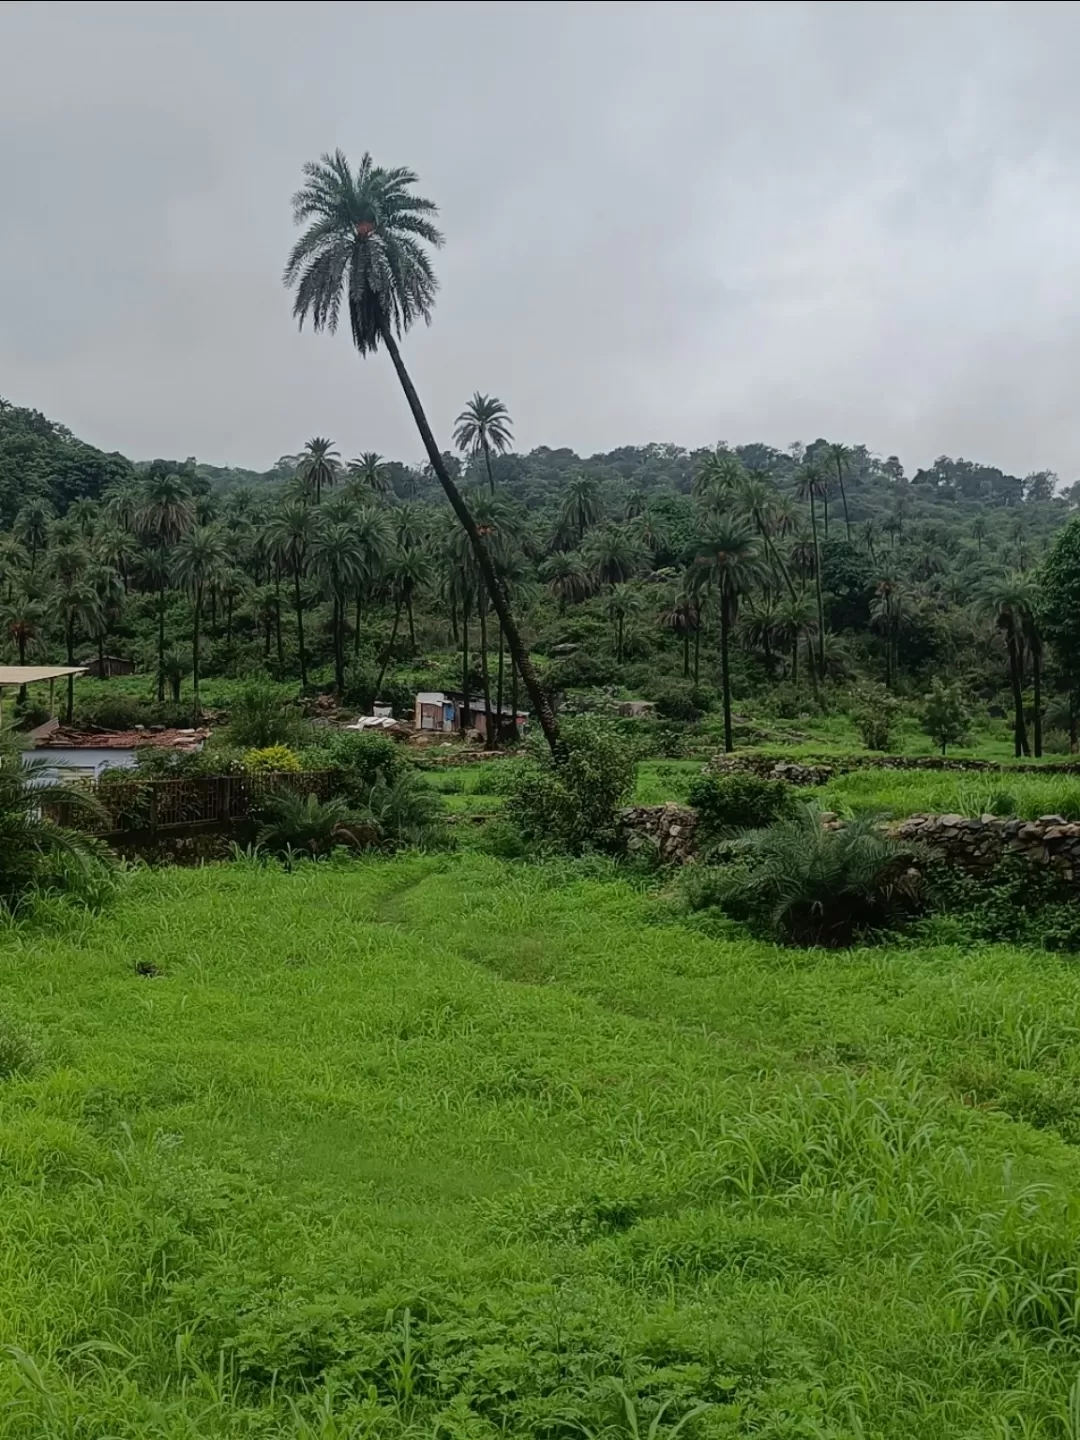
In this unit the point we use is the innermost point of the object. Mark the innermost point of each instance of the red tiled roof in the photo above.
(61, 738)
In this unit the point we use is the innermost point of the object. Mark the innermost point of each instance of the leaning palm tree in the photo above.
(484, 426)
(365, 244)
(199, 562)
(727, 563)
(320, 466)
(369, 469)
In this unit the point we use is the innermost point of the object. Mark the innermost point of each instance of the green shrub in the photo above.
(726, 803)
(359, 759)
(271, 760)
(876, 714)
(568, 800)
(260, 715)
(683, 701)
(296, 826)
(801, 884)
(1015, 901)
(945, 716)
(403, 810)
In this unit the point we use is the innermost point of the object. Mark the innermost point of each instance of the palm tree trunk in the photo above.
(686, 652)
(843, 497)
(817, 585)
(356, 628)
(514, 700)
(487, 462)
(697, 645)
(389, 648)
(195, 708)
(297, 600)
(540, 700)
(277, 621)
(228, 618)
(412, 627)
(725, 675)
(1036, 685)
(1020, 741)
(795, 659)
(69, 636)
(466, 710)
(339, 645)
(161, 646)
(499, 692)
(21, 641)
(485, 677)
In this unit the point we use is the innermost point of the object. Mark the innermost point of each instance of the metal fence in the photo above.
(207, 802)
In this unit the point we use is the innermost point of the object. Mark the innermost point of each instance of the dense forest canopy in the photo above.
(739, 569)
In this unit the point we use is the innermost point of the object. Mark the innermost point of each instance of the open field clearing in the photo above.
(438, 1146)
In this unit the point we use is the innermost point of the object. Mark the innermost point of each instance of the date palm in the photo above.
(199, 562)
(76, 604)
(484, 426)
(369, 470)
(338, 562)
(579, 509)
(165, 513)
(320, 466)
(840, 455)
(22, 619)
(290, 534)
(1007, 602)
(31, 527)
(567, 577)
(727, 563)
(614, 553)
(366, 246)
(810, 484)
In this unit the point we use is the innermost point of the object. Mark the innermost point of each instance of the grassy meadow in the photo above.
(439, 1146)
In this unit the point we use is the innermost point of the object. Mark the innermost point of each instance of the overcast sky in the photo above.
(663, 222)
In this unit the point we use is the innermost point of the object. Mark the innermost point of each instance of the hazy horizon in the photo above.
(673, 223)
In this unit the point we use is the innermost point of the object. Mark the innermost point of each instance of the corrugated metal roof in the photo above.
(61, 738)
(29, 674)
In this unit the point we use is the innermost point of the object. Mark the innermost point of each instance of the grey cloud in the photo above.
(664, 221)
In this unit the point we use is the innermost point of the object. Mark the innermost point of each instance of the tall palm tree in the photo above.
(291, 532)
(109, 588)
(320, 466)
(613, 554)
(718, 477)
(755, 496)
(200, 560)
(373, 531)
(338, 562)
(365, 244)
(22, 618)
(796, 618)
(117, 548)
(727, 563)
(165, 513)
(484, 426)
(979, 530)
(681, 617)
(841, 459)
(623, 604)
(76, 603)
(370, 470)
(810, 485)
(1004, 600)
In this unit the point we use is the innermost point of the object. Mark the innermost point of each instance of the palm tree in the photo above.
(290, 535)
(200, 560)
(796, 617)
(579, 509)
(755, 495)
(613, 554)
(117, 548)
(23, 618)
(718, 477)
(889, 605)
(681, 617)
(810, 485)
(484, 426)
(370, 470)
(623, 604)
(31, 527)
(366, 244)
(338, 562)
(109, 588)
(759, 626)
(1005, 601)
(567, 577)
(841, 458)
(77, 605)
(979, 531)
(166, 512)
(320, 466)
(727, 563)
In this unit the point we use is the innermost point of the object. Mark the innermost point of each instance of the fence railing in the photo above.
(220, 802)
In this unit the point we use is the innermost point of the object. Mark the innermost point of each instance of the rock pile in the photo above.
(666, 831)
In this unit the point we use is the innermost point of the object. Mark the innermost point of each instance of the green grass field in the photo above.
(913, 792)
(441, 1147)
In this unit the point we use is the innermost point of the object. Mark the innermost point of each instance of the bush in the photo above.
(359, 759)
(945, 716)
(801, 884)
(683, 701)
(260, 716)
(362, 690)
(306, 827)
(568, 800)
(403, 810)
(727, 803)
(876, 714)
(271, 760)
(1016, 901)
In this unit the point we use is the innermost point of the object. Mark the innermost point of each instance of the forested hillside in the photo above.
(697, 578)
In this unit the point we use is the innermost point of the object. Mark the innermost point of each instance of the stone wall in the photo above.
(819, 772)
(978, 844)
(667, 831)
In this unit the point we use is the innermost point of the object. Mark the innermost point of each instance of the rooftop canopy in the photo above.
(30, 674)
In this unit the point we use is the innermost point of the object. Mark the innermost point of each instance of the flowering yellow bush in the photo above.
(270, 760)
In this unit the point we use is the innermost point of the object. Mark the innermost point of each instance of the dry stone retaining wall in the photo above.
(978, 844)
(667, 831)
